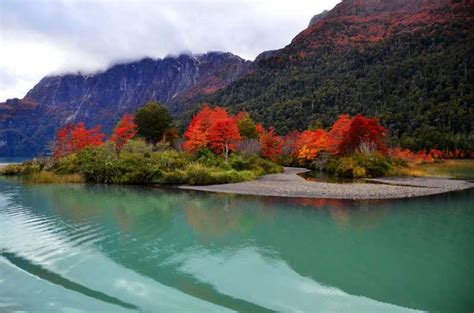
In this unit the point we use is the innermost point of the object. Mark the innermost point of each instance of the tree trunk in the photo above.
(226, 152)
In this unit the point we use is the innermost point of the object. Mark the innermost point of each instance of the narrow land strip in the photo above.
(289, 184)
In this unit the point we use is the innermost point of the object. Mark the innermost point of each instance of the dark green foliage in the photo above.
(247, 128)
(360, 165)
(209, 159)
(420, 84)
(97, 165)
(137, 169)
(138, 164)
(152, 120)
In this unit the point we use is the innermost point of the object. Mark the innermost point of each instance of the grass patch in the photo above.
(44, 177)
(459, 169)
(408, 172)
(11, 170)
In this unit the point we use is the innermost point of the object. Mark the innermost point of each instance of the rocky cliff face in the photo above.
(28, 124)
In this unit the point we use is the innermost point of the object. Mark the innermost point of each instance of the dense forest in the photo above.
(420, 84)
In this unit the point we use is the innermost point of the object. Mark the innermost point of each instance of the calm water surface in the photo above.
(9, 160)
(78, 248)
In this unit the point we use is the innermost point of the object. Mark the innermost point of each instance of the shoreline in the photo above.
(290, 185)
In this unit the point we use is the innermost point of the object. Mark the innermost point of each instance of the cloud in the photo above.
(53, 36)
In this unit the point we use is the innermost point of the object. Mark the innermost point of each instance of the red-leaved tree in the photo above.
(349, 135)
(223, 136)
(126, 129)
(272, 145)
(363, 133)
(198, 135)
(73, 138)
(338, 132)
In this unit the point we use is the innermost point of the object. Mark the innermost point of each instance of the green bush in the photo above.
(240, 163)
(198, 174)
(177, 177)
(375, 164)
(360, 165)
(97, 165)
(138, 164)
(134, 168)
(66, 164)
(254, 163)
(209, 159)
(170, 160)
(137, 146)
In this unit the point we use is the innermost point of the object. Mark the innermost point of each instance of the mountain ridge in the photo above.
(103, 97)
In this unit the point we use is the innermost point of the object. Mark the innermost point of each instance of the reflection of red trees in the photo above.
(212, 221)
(124, 222)
(322, 203)
(345, 213)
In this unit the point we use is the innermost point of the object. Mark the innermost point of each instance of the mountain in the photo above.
(408, 62)
(28, 124)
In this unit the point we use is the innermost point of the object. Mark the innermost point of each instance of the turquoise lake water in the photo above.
(79, 248)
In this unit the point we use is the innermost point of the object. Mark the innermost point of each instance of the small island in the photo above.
(221, 152)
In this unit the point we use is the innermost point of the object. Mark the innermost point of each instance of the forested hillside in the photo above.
(410, 63)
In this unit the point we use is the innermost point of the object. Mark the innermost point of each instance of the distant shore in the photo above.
(290, 184)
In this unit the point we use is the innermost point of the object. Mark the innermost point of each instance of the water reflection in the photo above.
(218, 252)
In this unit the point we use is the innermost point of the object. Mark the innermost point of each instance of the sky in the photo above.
(45, 37)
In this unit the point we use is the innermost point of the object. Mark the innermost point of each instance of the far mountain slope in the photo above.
(27, 125)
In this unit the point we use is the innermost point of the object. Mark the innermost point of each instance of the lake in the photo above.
(10, 160)
(81, 248)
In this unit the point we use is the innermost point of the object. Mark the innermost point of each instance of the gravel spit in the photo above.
(289, 184)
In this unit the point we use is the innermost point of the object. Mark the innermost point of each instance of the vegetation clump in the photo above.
(218, 148)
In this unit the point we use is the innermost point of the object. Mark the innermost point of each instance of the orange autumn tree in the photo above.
(211, 128)
(126, 129)
(196, 133)
(310, 143)
(73, 138)
(272, 145)
(338, 133)
(223, 136)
